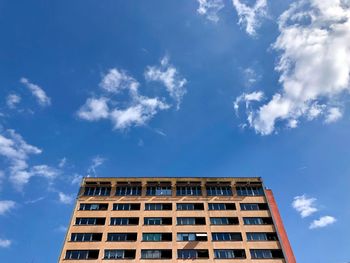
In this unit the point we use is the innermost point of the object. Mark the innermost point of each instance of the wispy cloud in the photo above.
(62, 162)
(5, 243)
(210, 9)
(314, 66)
(304, 205)
(12, 100)
(65, 198)
(133, 109)
(250, 76)
(322, 222)
(17, 151)
(6, 206)
(250, 16)
(170, 77)
(37, 92)
(95, 162)
(36, 200)
(61, 228)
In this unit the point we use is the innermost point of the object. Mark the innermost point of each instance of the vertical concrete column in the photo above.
(282, 234)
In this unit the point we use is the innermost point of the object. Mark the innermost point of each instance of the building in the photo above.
(154, 220)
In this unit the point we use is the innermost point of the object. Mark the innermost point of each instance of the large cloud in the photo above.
(314, 42)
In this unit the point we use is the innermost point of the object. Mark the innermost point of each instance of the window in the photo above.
(82, 254)
(222, 206)
(158, 190)
(257, 220)
(249, 190)
(224, 221)
(85, 237)
(186, 206)
(191, 220)
(261, 206)
(229, 253)
(156, 254)
(192, 237)
(158, 206)
(93, 207)
(262, 236)
(119, 254)
(127, 190)
(226, 236)
(90, 221)
(118, 237)
(157, 220)
(120, 221)
(192, 253)
(219, 190)
(156, 237)
(188, 190)
(266, 253)
(126, 206)
(97, 191)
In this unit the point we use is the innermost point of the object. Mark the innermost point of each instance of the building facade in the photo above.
(154, 220)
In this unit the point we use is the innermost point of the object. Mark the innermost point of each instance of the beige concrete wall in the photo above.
(174, 229)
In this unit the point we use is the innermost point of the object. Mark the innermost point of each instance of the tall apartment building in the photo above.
(154, 220)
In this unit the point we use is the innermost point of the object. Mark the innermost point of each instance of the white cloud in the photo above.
(250, 17)
(210, 9)
(61, 228)
(247, 98)
(12, 100)
(65, 199)
(95, 162)
(94, 109)
(305, 206)
(116, 80)
(170, 77)
(136, 109)
(17, 151)
(314, 42)
(62, 162)
(76, 179)
(250, 76)
(322, 222)
(37, 92)
(5, 243)
(6, 206)
(333, 115)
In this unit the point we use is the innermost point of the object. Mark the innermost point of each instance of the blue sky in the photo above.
(174, 88)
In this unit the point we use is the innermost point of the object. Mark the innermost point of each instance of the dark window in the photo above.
(224, 221)
(219, 190)
(222, 206)
(158, 190)
(266, 253)
(127, 190)
(126, 206)
(226, 236)
(249, 190)
(156, 254)
(121, 237)
(97, 191)
(90, 221)
(191, 220)
(157, 237)
(82, 254)
(93, 207)
(158, 206)
(256, 206)
(257, 220)
(188, 190)
(188, 206)
(192, 253)
(229, 253)
(157, 220)
(85, 237)
(119, 221)
(119, 254)
(192, 237)
(262, 236)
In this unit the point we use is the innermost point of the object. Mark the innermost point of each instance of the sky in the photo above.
(174, 88)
